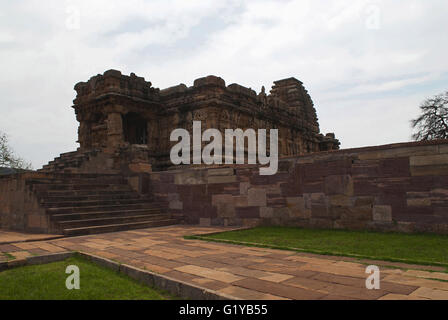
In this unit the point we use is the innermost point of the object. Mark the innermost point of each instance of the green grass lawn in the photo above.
(47, 282)
(412, 248)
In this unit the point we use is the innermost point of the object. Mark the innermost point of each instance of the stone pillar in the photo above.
(114, 130)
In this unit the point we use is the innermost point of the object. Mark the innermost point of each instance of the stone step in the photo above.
(68, 154)
(69, 224)
(69, 186)
(81, 181)
(103, 214)
(98, 197)
(68, 160)
(61, 175)
(117, 227)
(93, 203)
(89, 203)
(145, 205)
(74, 193)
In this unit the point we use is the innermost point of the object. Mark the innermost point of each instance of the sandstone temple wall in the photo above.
(399, 187)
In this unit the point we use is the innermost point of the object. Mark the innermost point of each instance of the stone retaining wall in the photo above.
(19, 206)
(399, 187)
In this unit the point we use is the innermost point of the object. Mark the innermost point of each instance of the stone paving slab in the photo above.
(244, 272)
(14, 237)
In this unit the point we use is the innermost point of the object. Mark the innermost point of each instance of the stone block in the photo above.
(191, 177)
(226, 210)
(407, 227)
(382, 213)
(429, 160)
(140, 167)
(363, 201)
(357, 213)
(318, 198)
(413, 194)
(320, 211)
(244, 186)
(279, 202)
(248, 212)
(307, 199)
(313, 186)
(240, 201)
(176, 204)
(257, 197)
(418, 202)
(205, 222)
(339, 184)
(221, 198)
(134, 182)
(221, 172)
(274, 189)
(432, 170)
(221, 179)
(398, 152)
(48, 258)
(266, 212)
(443, 148)
(321, 223)
(350, 224)
(251, 222)
(295, 202)
(296, 206)
(101, 261)
(172, 196)
(337, 211)
(340, 200)
(281, 213)
(440, 193)
(34, 221)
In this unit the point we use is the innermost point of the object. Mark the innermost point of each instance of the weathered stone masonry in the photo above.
(401, 187)
(125, 116)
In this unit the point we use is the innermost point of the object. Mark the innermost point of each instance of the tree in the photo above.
(8, 158)
(433, 121)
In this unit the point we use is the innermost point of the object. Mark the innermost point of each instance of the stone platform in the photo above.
(246, 272)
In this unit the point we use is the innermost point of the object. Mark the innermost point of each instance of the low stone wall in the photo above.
(19, 206)
(399, 187)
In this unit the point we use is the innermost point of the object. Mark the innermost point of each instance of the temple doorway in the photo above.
(134, 128)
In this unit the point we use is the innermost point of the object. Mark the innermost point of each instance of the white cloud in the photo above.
(366, 82)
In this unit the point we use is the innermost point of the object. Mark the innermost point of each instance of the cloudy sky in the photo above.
(366, 64)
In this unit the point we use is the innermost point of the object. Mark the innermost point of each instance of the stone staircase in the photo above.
(68, 161)
(79, 204)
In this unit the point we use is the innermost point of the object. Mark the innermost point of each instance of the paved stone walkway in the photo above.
(11, 236)
(245, 272)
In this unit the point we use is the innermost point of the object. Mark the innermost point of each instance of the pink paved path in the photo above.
(245, 272)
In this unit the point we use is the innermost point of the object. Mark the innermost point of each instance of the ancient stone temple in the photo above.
(121, 176)
(127, 118)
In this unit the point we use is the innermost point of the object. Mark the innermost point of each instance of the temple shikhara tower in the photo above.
(128, 121)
